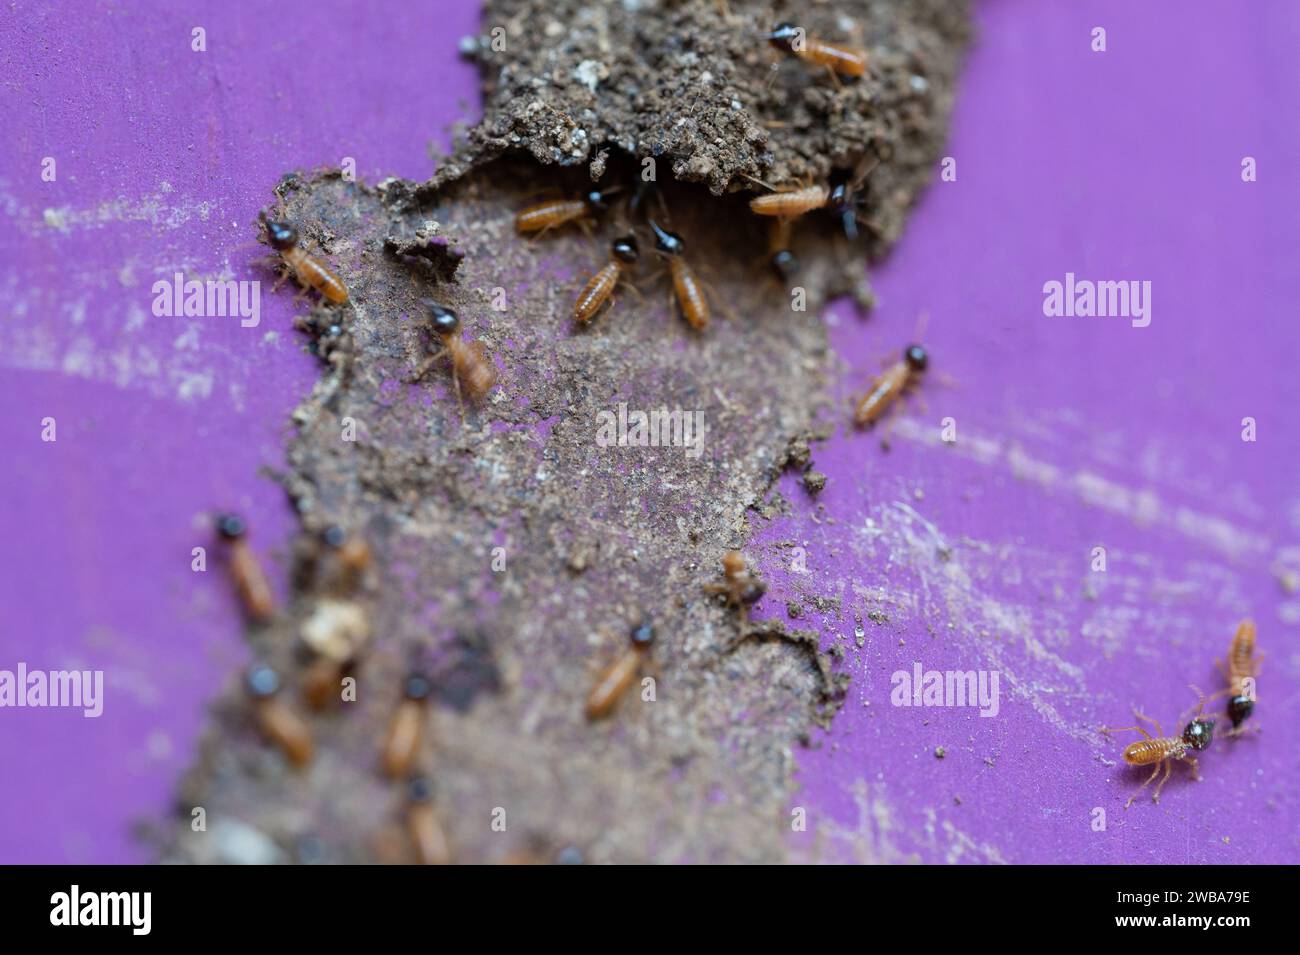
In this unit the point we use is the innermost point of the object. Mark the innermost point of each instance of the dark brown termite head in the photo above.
(917, 358)
(1199, 733)
(625, 249)
(669, 243)
(443, 320)
(419, 790)
(262, 682)
(334, 537)
(753, 592)
(417, 687)
(1239, 709)
(596, 200)
(231, 527)
(281, 234)
(643, 634)
(784, 35)
(785, 264)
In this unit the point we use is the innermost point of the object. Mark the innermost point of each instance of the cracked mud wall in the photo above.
(591, 536)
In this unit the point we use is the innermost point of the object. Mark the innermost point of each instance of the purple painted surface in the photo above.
(1072, 433)
(164, 156)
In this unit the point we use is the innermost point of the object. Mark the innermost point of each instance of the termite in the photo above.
(1161, 750)
(613, 683)
(309, 272)
(1242, 665)
(623, 253)
(846, 192)
(891, 384)
(422, 823)
(406, 729)
(689, 291)
(336, 631)
(553, 213)
(351, 559)
(250, 580)
(791, 203)
(471, 368)
(279, 723)
(741, 586)
(839, 59)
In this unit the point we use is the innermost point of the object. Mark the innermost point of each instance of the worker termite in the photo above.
(1242, 666)
(279, 723)
(406, 729)
(613, 683)
(351, 558)
(688, 290)
(250, 580)
(838, 59)
(791, 203)
(890, 386)
(554, 213)
(336, 631)
(741, 586)
(471, 368)
(1161, 750)
(423, 825)
(624, 252)
(310, 273)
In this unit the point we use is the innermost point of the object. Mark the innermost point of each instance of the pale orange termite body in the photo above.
(472, 369)
(554, 213)
(549, 215)
(1243, 666)
(279, 723)
(886, 389)
(613, 683)
(741, 586)
(686, 287)
(792, 203)
(251, 585)
(1161, 750)
(406, 729)
(309, 272)
(623, 253)
(843, 60)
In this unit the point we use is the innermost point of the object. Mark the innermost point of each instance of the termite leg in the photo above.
(1142, 716)
(1169, 768)
(1153, 775)
(1120, 729)
(1196, 767)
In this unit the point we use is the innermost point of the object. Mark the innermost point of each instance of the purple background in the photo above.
(1071, 432)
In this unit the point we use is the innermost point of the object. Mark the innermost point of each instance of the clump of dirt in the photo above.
(514, 543)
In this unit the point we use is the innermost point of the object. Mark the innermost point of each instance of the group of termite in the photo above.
(473, 371)
(1160, 751)
(333, 637)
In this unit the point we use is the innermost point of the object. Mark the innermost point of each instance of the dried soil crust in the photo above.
(592, 537)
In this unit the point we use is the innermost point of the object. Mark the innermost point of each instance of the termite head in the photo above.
(334, 536)
(669, 243)
(444, 321)
(917, 357)
(419, 789)
(231, 526)
(1240, 707)
(282, 235)
(783, 36)
(1198, 733)
(753, 592)
(643, 634)
(785, 263)
(417, 687)
(262, 682)
(625, 249)
(596, 200)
